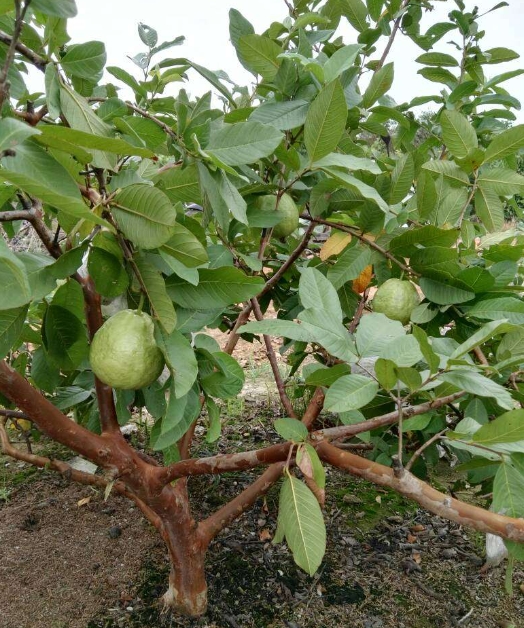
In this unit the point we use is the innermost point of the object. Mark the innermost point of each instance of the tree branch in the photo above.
(272, 281)
(51, 421)
(36, 60)
(288, 406)
(72, 474)
(425, 495)
(373, 245)
(347, 431)
(10, 55)
(104, 393)
(391, 39)
(216, 522)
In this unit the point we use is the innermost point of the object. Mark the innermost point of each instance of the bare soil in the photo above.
(69, 559)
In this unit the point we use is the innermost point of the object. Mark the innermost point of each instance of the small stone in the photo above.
(449, 553)
(114, 532)
(351, 499)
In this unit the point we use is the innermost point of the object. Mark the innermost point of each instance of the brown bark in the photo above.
(216, 522)
(429, 498)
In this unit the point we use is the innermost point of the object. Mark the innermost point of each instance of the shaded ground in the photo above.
(70, 563)
(100, 565)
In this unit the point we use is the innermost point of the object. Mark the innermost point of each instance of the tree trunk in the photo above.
(187, 592)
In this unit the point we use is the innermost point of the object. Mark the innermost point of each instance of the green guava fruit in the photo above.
(124, 353)
(286, 207)
(396, 299)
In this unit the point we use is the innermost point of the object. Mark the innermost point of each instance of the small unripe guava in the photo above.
(124, 353)
(396, 299)
(286, 208)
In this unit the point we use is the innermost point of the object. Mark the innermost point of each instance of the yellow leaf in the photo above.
(363, 280)
(335, 244)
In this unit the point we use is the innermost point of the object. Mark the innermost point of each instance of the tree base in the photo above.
(181, 603)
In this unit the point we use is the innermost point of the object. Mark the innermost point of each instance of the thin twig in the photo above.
(274, 364)
(423, 448)
(38, 61)
(10, 55)
(272, 281)
(373, 245)
(359, 312)
(391, 39)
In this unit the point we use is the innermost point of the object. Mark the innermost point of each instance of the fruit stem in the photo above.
(140, 303)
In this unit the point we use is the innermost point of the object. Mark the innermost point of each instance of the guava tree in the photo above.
(303, 191)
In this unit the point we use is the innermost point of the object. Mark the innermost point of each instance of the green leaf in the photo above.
(477, 384)
(14, 132)
(508, 308)
(358, 187)
(325, 121)
(179, 416)
(329, 333)
(386, 373)
(511, 344)
(155, 286)
(57, 8)
(215, 427)
(340, 61)
(232, 198)
(279, 327)
(217, 288)
(489, 209)
(64, 338)
(35, 172)
(11, 324)
(348, 162)
(44, 374)
(291, 429)
(259, 55)
(81, 138)
(185, 247)
(16, 290)
(148, 35)
(401, 179)
(180, 358)
(450, 171)
(180, 184)
(444, 294)
(85, 60)
(311, 465)
(350, 392)
(81, 117)
(505, 144)
(356, 13)
(244, 142)
(327, 375)
(284, 115)
(487, 331)
(507, 428)
(501, 55)
(437, 58)
(458, 134)
(317, 291)
(349, 265)
(375, 332)
(380, 83)
(430, 356)
(300, 521)
(226, 382)
(41, 279)
(145, 215)
(502, 181)
(403, 351)
(410, 241)
(107, 272)
(507, 494)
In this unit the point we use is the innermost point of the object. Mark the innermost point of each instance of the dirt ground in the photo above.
(69, 559)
